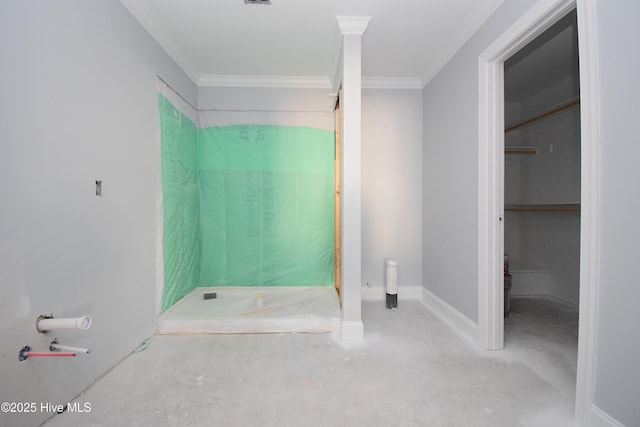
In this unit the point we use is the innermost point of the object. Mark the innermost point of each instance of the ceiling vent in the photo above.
(257, 1)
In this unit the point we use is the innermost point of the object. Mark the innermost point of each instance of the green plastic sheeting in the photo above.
(180, 197)
(245, 205)
(266, 206)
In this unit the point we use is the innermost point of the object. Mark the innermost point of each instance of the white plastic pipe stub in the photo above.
(47, 323)
(391, 283)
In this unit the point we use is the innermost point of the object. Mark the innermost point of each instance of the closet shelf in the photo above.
(547, 113)
(553, 207)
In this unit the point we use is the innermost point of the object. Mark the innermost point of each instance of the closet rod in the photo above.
(544, 114)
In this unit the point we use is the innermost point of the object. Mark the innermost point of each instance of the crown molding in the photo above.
(353, 25)
(215, 80)
(391, 83)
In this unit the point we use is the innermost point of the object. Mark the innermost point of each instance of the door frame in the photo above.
(491, 182)
(337, 210)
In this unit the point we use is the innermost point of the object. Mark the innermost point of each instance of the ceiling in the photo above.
(297, 42)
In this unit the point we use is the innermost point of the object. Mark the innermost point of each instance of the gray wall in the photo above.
(78, 85)
(392, 185)
(450, 192)
(450, 127)
(617, 384)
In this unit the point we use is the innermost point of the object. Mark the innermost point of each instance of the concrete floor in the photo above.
(411, 370)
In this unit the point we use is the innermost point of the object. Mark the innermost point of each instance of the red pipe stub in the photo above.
(49, 354)
(25, 353)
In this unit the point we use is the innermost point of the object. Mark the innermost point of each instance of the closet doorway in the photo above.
(542, 178)
(491, 160)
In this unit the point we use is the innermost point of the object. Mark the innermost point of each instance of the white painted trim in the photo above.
(391, 83)
(599, 418)
(352, 331)
(378, 293)
(491, 162)
(449, 314)
(490, 204)
(590, 200)
(211, 80)
(214, 80)
(353, 25)
(351, 169)
(536, 20)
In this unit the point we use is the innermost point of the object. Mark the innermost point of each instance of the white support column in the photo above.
(352, 29)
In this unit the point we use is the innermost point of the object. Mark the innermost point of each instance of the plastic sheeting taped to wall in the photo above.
(266, 206)
(247, 199)
(180, 195)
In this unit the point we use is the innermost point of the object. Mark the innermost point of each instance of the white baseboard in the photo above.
(599, 418)
(378, 293)
(352, 331)
(460, 322)
(548, 297)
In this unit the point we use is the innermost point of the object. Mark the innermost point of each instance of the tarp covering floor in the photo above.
(311, 309)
